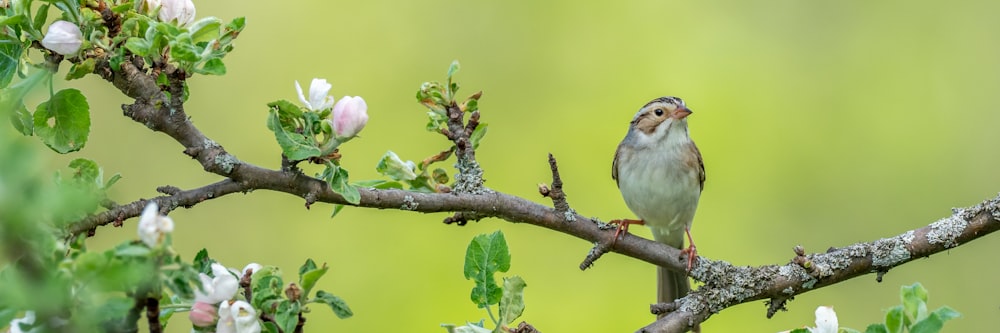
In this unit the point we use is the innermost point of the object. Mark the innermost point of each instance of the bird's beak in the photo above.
(682, 113)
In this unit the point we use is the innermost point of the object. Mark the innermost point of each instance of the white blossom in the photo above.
(238, 317)
(826, 320)
(180, 10)
(222, 287)
(28, 319)
(319, 91)
(153, 227)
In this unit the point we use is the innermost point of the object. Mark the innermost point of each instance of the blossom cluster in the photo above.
(65, 37)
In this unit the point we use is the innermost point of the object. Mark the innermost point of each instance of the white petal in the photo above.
(147, 228)
(166, 224)
(319, 90)
(302, 98)
(826, 320)
(226, 323)
(252, 266)
(208, 289)
(245, 317)
(225, 287)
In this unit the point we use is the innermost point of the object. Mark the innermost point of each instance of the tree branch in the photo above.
(725, 285)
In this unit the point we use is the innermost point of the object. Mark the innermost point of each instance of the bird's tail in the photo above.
(671, 284)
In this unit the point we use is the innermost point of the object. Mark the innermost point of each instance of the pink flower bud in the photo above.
(180, 10)
(350, 115)
(203, 314)
(63, 37)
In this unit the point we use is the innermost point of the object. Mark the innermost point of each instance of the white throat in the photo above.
(670, 133)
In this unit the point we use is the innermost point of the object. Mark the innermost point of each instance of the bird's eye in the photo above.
(658, 112)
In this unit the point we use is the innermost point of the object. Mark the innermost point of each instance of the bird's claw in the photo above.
(622, 228)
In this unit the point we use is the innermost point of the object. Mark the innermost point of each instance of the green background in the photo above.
(822, 123)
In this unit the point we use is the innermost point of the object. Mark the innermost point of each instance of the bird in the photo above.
(660, 174)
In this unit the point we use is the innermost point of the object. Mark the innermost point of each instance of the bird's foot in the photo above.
(622, 228)
(691, 251)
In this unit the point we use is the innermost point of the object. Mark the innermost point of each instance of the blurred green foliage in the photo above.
(821, 124)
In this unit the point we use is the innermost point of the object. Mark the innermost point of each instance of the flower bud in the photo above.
(153, 227)
(63, 37)
(350, 115)
(180, 10)
(203, 314)
(394, 167)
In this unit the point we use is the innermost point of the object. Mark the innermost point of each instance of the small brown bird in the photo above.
(660, 174)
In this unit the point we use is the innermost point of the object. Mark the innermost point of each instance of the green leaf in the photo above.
(307, 266)
(23, 120)
(11, 50)
(308, 278)
(800, 330)
(132, 251)
(486, 255)
(392, 166)
(205, 29)
(931, 324)
(111, 181)
(182, 48)
(287, 111)
(336, 210)
(6, 315)
(440, 176)
(202, 263)
(79, 70)
(477, 135)
(12, 97)
(139, 46)
(512, 301)
(213, 67)
(70, 114)
(121, 9)
(895, 319)
(946, 313)
(453, 68)
(914, 298)
(270, 327)
(339, 184)
(287, 316)
(266, 289)
(85, 169)
(436, 121)
(237, 24)
(295, 146)
(12, 20)
(337, 304)
(41, 14)
(847, 330)
(876, 328)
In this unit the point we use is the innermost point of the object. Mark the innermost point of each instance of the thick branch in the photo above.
(727, 285)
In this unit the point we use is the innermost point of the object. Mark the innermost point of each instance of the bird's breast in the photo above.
(659, 187)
